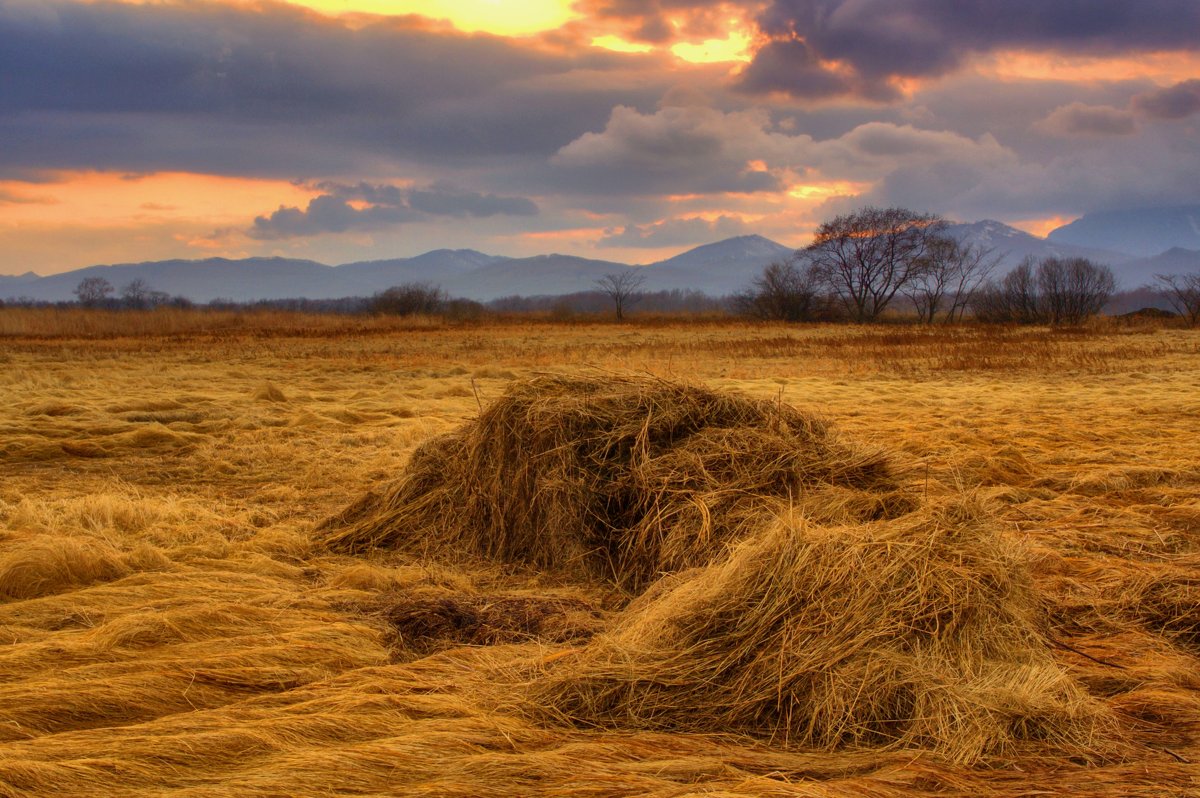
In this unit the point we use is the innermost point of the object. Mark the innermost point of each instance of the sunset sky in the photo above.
(630, 130)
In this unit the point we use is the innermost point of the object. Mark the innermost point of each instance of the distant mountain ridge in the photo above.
(716, 269)
(1142, 232)
(1017, 244)
(724, 267)
(1131, 271)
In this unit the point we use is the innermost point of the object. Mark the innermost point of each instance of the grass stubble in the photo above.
(967, 564)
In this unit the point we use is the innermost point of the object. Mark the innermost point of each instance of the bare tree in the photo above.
(970, 269)
(1183, 292)
(93, 291)
(136, 294)
(1056, 291)
(1013, 299)
(408, 299)
(784, 292)
(1073, 289)
(951, 273)
(866, 257)
(621, 288)
(930, 284)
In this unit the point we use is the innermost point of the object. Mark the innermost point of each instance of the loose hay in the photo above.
(622, 478)
(910, 634)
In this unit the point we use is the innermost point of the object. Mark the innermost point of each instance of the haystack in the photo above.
(917, 633)
(622, 478)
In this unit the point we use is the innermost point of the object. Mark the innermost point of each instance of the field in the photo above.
(176, 621)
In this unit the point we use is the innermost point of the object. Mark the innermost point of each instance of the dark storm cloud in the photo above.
(792, 67)
(275, 90)
(1174, 102)
(881, 39)
(272, 62)
(365, 206)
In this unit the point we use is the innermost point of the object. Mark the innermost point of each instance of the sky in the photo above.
(629, 130)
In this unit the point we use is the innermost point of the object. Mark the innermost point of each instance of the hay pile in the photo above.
(620, 478)
(918, 633)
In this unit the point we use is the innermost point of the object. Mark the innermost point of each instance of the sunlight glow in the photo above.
(736, 47)
(109, 197)
(620, 45)
(1042, 227)
(502, 17)
(822, 191)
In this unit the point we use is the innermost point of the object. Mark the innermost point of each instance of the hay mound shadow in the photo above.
(918, 633)
(620, 478)
(427, 621)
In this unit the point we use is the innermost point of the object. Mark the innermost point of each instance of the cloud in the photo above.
(875, 41)
(1174, 102)
(273, 90)
(792, 67)
(697, 150)
(1079, 119)
(270, 90)
(362, 207)
(326, 214)
(445, 201)
(663, 21)
(12, 198)
(1112, 172)
(674, 232)
(678, 150)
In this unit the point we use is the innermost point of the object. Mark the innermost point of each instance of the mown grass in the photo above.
(173, 628)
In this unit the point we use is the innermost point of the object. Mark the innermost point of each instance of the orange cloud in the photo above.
(102, 198)
(91, 217)
(1163, 68)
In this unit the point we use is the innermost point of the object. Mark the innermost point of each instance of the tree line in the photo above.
(858, 265)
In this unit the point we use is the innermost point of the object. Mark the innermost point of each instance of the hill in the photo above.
(723, 267)
(437, 267)
(206, 280)
(539, 275)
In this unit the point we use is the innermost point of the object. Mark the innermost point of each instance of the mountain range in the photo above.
(716, 269)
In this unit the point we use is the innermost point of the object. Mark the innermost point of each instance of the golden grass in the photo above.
(172, 627)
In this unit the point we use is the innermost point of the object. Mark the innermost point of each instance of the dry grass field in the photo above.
(967, 563)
